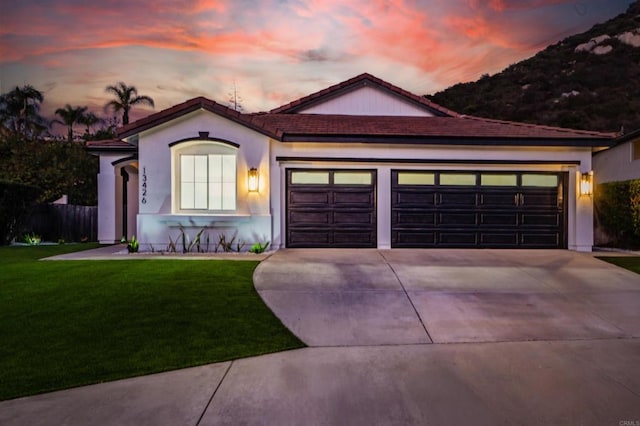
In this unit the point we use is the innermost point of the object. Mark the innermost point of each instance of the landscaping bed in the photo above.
(71, 323)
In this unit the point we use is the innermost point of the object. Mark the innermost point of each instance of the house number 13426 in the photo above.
(144, 185)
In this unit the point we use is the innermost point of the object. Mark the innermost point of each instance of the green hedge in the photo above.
(16, 201)
(617, 210)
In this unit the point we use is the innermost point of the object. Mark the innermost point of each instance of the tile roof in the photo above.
(289, 127)
(110, 145)
(448, 127)
(355, 83)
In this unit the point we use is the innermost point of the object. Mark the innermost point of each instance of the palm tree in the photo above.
(70, 116)
(90, 119)
(127, 96)
(20, 111)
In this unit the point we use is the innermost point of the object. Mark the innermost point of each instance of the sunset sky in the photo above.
(274, 50)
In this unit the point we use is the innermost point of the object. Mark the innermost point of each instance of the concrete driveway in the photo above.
(387, 297)
(408, 337)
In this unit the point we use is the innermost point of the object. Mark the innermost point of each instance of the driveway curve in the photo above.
(356, 297)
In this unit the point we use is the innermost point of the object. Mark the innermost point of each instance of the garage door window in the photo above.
(541, 181)
(416, 178)
(352, 178)
(310, 178)
(490, 179)
(457, 179)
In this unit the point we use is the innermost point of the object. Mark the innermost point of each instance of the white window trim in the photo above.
(197, 148)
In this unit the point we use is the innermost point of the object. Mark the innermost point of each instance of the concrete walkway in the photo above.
(519, 337)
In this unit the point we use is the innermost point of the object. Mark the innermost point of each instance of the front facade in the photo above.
(360, 164)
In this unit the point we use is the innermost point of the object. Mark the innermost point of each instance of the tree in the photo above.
(69, 117)
(20, 112)
(90, 119)
(126, 97)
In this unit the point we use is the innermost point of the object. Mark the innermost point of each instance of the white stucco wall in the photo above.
(368, 101)
(157, 219)
(580, 209)
(616, 164)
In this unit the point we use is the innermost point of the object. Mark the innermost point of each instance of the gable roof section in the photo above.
(447, 127)
(356, 83)
(184, 108)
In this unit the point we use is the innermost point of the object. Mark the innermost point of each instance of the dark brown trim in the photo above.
(422, 161)
(439, 140)
(115, 150)
(204, 138)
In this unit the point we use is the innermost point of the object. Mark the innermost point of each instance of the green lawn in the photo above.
(631, 263)
(70, 323)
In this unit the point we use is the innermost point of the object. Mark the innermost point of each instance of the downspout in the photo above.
(125, 180)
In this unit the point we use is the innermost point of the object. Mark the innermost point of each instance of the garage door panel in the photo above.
(354, 197)
(539, 239)
(308, 197)
(457, 218)
(458, 238)
(349, 238)
(314, 217)
(309, 238)
(499, 219)
(539, 200)
(412, 218)
(498, 239)
(414, 198)
(352, 218)
(408, 238)
(456, 199)
(541, 219)
(498, 200)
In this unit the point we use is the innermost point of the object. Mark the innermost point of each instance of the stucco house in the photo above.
(362, 163)
(621, 162)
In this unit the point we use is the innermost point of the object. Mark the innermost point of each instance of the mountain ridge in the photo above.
(588, 81)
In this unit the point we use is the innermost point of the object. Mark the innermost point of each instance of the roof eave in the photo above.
(449, 140)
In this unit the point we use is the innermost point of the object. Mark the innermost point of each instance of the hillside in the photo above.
(586, 81)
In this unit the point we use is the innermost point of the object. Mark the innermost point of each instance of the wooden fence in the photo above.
(64, 221)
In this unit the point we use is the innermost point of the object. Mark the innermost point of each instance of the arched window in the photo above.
(204, 176)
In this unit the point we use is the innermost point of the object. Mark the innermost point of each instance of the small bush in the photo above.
(133, 246)
(32, 239)
(16, 202)
(259, 247)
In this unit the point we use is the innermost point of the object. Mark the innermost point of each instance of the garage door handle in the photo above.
(522, 199)
(515, 199)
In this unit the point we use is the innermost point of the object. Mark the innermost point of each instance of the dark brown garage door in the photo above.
(331, 208)
(478, 209)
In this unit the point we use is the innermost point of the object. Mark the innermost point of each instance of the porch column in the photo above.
(107, 202)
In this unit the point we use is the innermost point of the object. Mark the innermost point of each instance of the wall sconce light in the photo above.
(586, 183)
(254, 180)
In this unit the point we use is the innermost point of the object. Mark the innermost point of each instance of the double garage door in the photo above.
(455, 209)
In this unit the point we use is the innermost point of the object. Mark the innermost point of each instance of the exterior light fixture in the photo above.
(586, 183)
(254, 180)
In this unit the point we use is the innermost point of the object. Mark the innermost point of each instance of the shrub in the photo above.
(617, 210)
(133, 246)
(259, 247)
(16, 202)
